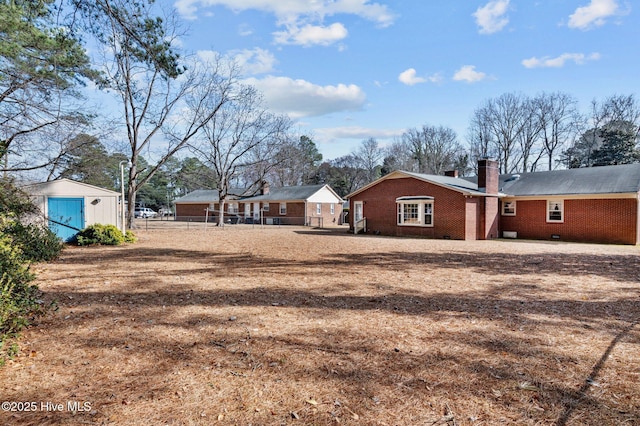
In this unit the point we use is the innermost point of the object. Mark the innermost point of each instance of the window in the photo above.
(283, 208)
(265, 207)
(555, 211)
(415, 211)
(232, 208)
(318, 208)
(333, 209)
(508, 208)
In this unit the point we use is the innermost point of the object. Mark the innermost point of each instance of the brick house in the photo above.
(595, 204)
(598, 204)
(414, 204)
(314, 205)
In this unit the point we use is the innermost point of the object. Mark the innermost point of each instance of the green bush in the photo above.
(100, 234)
(37, 242)
(18, 297)
(130, 237)
(21, 242)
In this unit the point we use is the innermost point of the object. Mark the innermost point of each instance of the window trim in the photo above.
(283, 209)
(504, 205)
(421, 202)
(333, 208)
(561, 210)
(319, 209)
(265, 207)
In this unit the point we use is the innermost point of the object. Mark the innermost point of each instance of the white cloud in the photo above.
(558, 62)
(302, 20)
(300, 98)
(409, 78)
(309, 35)
(253, 61)
(245, 30)
(594, 14)
(330, 134)
(469, 74)
(490, 17)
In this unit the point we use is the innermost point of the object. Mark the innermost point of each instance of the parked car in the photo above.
(163, 212)
(144, 212)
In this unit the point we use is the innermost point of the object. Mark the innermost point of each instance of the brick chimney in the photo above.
(451, 173)
(488, 176)
(265, 188)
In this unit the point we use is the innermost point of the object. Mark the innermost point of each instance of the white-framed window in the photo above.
(318, 209)
(265, 207)
(555, 211)
(333, 208)
(283, 208)
(232, 208)
(415, 211)
(508, 208)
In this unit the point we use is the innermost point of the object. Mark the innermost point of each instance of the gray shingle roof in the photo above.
(452, 182)
(205, 196)
(589, 180)
(287, 193)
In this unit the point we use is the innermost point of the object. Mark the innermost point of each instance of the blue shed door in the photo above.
(66, 216)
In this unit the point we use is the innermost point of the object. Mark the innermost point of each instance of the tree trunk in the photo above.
(221, 207)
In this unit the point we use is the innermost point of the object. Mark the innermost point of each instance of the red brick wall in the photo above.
(602, 221)
(488, 176)
(449, 212)
(472, 228)
(325, 213)
(184, 210)
(491, 218)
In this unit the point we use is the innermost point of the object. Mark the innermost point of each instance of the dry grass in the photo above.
(269, 326)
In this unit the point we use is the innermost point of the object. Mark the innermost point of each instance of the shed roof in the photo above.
(67, 187)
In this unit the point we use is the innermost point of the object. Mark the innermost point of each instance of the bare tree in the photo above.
(398, 156)
(241, 135)
(505, 117)
(529, 142)
(369, 155)
(434, 148)
(559, 119)
(144, 73)
(480, 138)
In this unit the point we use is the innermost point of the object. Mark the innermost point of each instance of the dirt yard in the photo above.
(271, 326)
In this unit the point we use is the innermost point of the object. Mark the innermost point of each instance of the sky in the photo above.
(349, 70)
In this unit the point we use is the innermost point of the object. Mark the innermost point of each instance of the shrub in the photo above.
(130, 237)
(37, 242)
(104, 235)
(18, 297)
(21, 242)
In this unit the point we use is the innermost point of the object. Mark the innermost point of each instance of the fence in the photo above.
(236, 219)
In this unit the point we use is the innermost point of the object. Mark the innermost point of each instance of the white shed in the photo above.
(71, 206)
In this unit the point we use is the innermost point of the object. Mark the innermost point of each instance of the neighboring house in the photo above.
(71, 206)
(201, 203)
(315, 205)
(598, 204)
